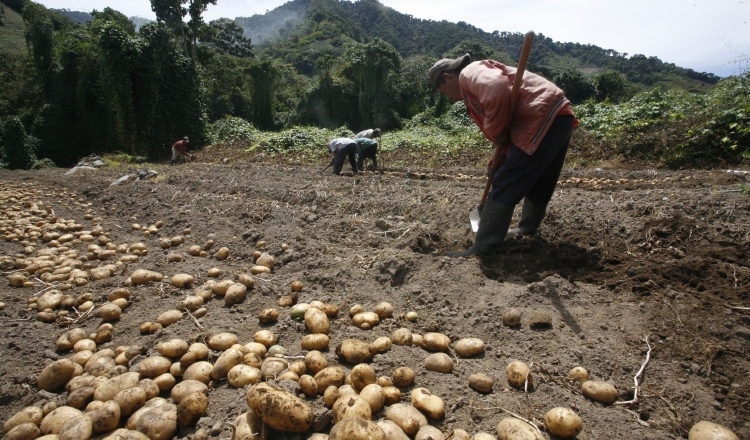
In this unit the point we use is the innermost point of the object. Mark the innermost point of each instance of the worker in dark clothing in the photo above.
(343, 148)
(366, 149)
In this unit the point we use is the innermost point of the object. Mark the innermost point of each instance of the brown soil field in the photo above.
(624, 257)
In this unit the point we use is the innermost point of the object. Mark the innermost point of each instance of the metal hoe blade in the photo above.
(474, 217)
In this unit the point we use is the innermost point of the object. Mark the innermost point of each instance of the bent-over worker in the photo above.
(343, 148)
(178, 151)
(366, 149)
(535, 141)
(372, 133)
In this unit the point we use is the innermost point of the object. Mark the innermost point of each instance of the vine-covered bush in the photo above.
(19, 149)
(230, 128)
(675, 128)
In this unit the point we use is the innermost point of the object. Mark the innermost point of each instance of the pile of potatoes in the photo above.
(233, 292)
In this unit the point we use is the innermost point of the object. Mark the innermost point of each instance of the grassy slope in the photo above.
(11, 35)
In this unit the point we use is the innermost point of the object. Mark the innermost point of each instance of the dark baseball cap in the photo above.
(446, 65)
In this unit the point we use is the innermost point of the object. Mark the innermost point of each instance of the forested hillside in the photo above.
(105, 85)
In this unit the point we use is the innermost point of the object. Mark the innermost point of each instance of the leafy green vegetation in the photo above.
(312, 70)
(675, 128)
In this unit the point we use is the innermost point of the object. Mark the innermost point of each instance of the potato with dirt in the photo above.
(480, 382)
(273, 367)
(518, 373)
(143, 276)
(563, 422)
(315, 361)
(222, 341)
(67, 340)
(154, 366)
(351, 406)
(317, 321)
(408, 418)
(30, 414)
(316, 341)
(353, 351)
(469, 347)
(403, 376)
(249, 426)
(192, 408)
(440, 362)
(168, 318)
(392, 431)
(362, 375)
(77, 428)
(55, 375)
(514, 429)
(374, 395)
(235, 294)
(329, 376)
(402, 336)
(132, 421)
(600, 391)
(366, 320)
(172, 348)
(435, 342)
(159, 423)
(279, 409)
(107, 417)
(200, 371)
(265, 337)
(228, 360)
(186, 388)
(356, 429)
(241, 375)
(428, 403)
(710, 431)
(429, 432)
(24, 431)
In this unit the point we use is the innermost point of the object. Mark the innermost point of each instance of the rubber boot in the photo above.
(337, 168)
(531, 217)
(493, 226)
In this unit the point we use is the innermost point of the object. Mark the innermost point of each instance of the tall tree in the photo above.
(577, 86)
(39, 38)
(196, 10)
(226, 36)
(264, 76)
(171, 13)
(372, 68)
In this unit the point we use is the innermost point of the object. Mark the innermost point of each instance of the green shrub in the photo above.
(230, 128)
(675, 128)
(19, 149)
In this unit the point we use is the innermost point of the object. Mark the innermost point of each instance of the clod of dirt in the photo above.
(540, 321)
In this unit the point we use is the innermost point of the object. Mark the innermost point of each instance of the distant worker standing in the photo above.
(369, 134)
(343, 148)
(367, 149)
(535, 141)
(179, 151)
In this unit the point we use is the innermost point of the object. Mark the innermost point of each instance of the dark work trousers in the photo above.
(370, 153)
(348, 151)
(534, 176)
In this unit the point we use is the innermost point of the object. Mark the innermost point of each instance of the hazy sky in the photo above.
(705, 35)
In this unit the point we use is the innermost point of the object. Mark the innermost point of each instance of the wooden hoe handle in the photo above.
(496, 162)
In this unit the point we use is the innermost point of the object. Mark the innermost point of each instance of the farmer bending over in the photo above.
(178, 151)
(366, 149)
(369, 134)
(341, 149)
(535, 141)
